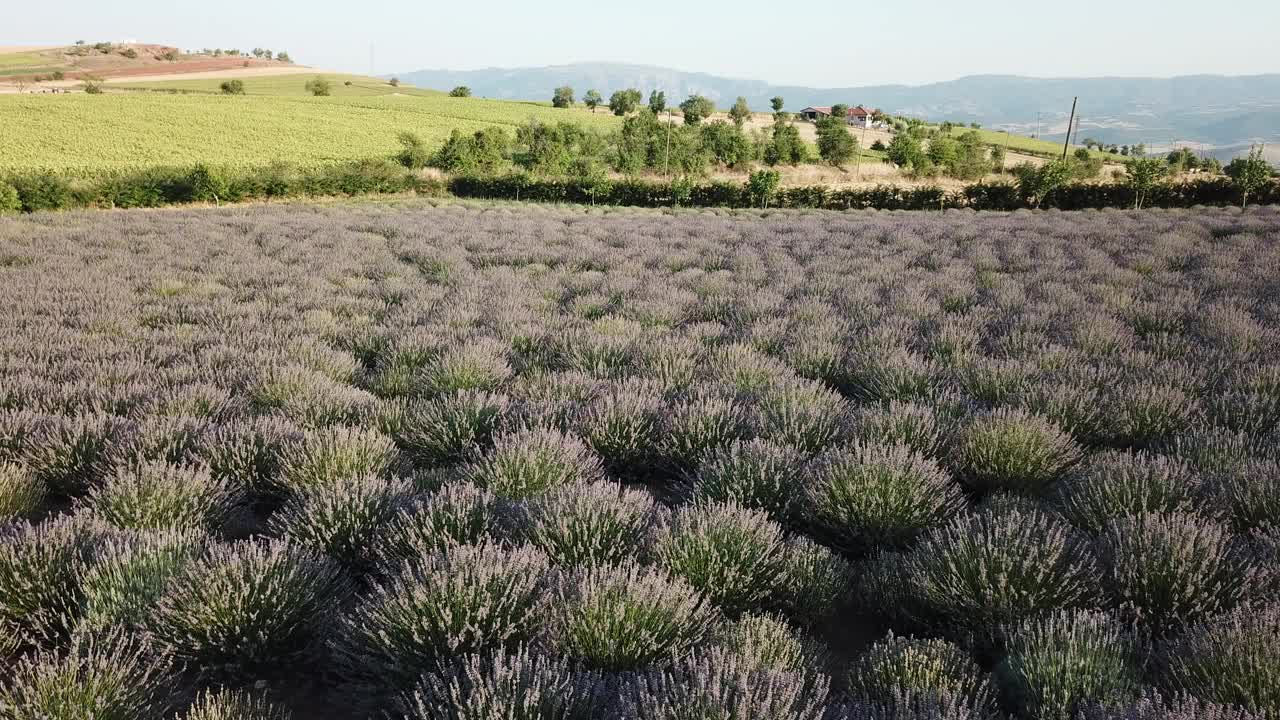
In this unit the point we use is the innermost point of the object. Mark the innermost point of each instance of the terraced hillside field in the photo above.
(456, 462)
(129, 130)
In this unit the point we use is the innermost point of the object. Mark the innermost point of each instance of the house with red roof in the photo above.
(857, 116)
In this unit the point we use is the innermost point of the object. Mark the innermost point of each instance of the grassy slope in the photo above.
(286, 86)
(124, 130)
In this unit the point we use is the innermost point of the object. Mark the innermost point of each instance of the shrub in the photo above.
(619, 618)
(805, 415)
(10, 201)
(985, 571)
(897, 668)
(158, 495)
(757, 474)
(1116, 485)
(234, 705)
(413, 151)
(720, 685)
(462, 91)
(69, 452)
(451, 428)
(342, 519)
(1249, 494)
(699, 425)
(588, 524)
(766, 642)
(42, 191)
(623, 425)
(1151, 706)
(1233, 659)
(247, 605)
(325, 457)
(1013, 450)
(521, 686)
(1172, 568)
(468, 600)
(232, 87)
(476, 366)
(319, 86)
(911, 707)
(40, 570)
(130, 573)
(247, 453)
(914, 425)
(528, 463)
(866, 495)
(731, 554)
(456, 514)
(879, 371)
(22, 494)
(107, 677)
(815, 580)
(1058, 663)
(1144, 414)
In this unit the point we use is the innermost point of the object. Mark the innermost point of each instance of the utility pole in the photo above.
(1037, 124)
(1005, 159)
(1066, 144)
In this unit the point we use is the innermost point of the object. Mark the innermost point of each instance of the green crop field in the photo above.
(129, 130)
(287, 86)
(21, 60)
(1022, 143)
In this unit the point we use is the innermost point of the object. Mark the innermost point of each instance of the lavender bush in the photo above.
(246, 605)
(732, 555)
(626, 617)
(466, 600)
(521, 686)
(1059, 663)
(866, 495)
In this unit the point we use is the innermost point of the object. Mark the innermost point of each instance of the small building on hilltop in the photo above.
(856, 116)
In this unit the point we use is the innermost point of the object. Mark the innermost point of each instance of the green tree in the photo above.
(658, 102)
(1142, 175)
(836, 145)
(697, 108)
(740, 113)
(1250, 174)
(777, 103)
(284, 57)
(592, 100)
(394, 82)
(944, 152)
(232, 87)
(486, 151)
(563, 97)
(413, 152)
(1037, 183)
(727, 144)
(462, 91)
(971, 157)
(763, 186)
(319, 86)
(997, 158)
(1182, 159)
(905, 152)
(624, 102)
(785, 146)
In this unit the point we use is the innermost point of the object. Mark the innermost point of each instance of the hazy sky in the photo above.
(816, 43)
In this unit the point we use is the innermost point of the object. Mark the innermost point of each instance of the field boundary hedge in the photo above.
(162, 186)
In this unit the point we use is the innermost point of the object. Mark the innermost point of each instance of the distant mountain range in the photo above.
(1214, 112)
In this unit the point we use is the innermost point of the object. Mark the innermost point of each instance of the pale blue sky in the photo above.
(815, 43)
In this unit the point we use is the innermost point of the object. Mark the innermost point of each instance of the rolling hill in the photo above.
(1213, 110)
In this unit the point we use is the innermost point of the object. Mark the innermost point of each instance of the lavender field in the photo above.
(529, 463)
